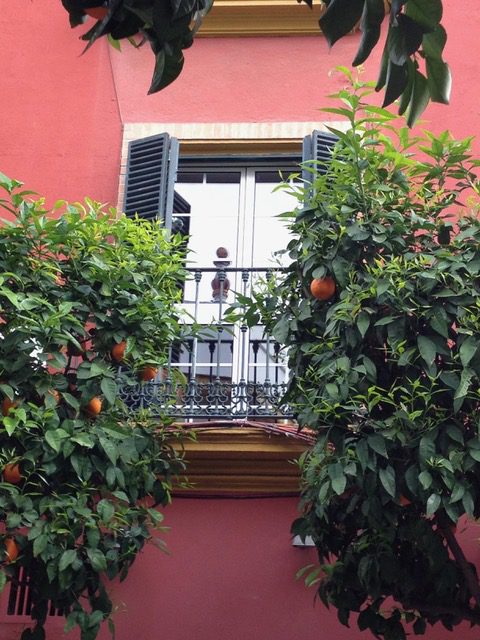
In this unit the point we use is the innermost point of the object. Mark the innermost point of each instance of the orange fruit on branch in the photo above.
(11, 473)
(118, 351)
(11, 550)
(148, 373)
(323, 288)
(8, 404)
(94, 407)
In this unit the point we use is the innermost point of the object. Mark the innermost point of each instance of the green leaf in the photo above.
(387, 478)
(67, 558)
(428, 350)
(105, 510)
(377, 443)
(362, 453)
(110, 449)
(426, 448)
(40, 544)
(97, 559)
(439, 80)
(420, 97)
(109, 389)
(433, 503)
(475, 454)
(439, 322)
(425, 479)
(337, 477)
(84, 440)
(340, 18)
(428, 13)
(463, 388)
(455, 433)
(467, 350)
(10, 423)
(468, 503)
(434, 43)
(396, 82)
(457, 492)
(372, 18)
(55, 438)
(363, 322)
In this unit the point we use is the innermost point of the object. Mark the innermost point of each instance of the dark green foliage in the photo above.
(412, 66)
(70, 289)
(166, 24)
(387, 372)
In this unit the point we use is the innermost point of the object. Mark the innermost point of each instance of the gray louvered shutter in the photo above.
(151, 172)
(318, 146)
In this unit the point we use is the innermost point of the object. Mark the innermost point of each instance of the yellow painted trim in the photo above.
(261, 18)
(243, 461)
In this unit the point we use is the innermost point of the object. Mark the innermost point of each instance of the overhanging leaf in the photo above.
(439, 80)
(428, 13)
(372, 18)
(340, 18)
(419, 99)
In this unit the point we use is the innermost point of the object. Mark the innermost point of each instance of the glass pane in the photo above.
(269, 233)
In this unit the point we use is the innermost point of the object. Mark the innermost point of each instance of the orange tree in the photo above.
(386, 370)
(82, 473)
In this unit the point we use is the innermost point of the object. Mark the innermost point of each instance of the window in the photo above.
(233, 210)
(228, 207)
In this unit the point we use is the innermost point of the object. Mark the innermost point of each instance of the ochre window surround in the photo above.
(261, 18)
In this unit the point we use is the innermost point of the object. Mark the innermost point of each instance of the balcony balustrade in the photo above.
(225, 370)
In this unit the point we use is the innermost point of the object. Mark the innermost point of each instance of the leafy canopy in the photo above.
(386, 372)
(412, 66)
(91, 469)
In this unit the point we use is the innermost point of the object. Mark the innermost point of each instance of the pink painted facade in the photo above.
(231, 572)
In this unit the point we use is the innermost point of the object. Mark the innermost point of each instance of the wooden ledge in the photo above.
(246, 461)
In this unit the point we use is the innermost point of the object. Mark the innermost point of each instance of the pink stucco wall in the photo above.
(230, 575)
(60, 129)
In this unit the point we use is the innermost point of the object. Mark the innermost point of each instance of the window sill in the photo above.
(243, 461)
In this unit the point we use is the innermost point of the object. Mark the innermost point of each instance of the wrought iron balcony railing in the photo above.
(227, 371)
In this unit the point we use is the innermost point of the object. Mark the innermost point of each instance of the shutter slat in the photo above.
(318, 147)
(148, 179)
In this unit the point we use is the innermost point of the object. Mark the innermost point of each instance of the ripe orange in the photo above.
(148, 373)
(11, 550)
(94, 407)
(96, 12)
(8, 404)
(118, 351)
(323, 288)
(11, 473)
